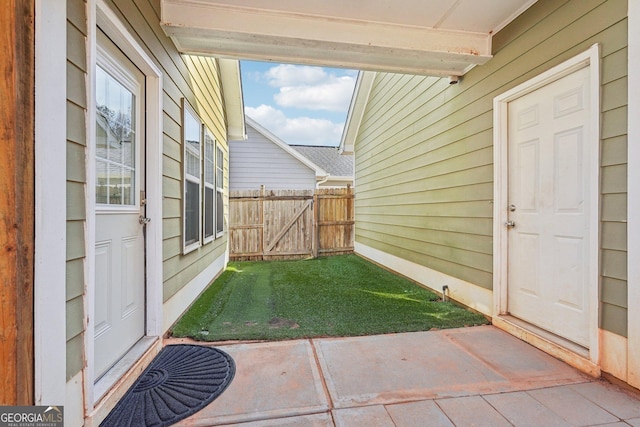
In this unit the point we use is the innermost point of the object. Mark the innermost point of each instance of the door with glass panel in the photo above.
(119, 316)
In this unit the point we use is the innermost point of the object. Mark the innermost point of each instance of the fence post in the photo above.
(315, 238)
(262, 225)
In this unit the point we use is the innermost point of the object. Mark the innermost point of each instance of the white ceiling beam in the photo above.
(226, 30)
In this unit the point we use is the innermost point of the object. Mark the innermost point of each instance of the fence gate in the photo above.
(288, 224)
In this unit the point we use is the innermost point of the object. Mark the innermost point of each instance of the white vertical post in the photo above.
(50, 203)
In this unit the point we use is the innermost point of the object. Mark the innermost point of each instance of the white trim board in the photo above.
(473, 296)
(633, 214)
(358, 105)
(50, 210)
(591, 59)
(180, 302)
(100, 13)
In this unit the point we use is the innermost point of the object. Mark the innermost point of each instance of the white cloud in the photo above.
(294, 75)
(311, 88)
(297, 130)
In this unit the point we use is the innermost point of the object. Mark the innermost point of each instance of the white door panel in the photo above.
(548, 246)
(120, 244)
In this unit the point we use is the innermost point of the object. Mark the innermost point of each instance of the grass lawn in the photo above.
(334, 296)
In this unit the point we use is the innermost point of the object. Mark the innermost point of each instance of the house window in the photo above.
(192, 141)
(219, 191)
(209, 186)
(115, 142)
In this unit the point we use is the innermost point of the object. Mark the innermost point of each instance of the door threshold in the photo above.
(110, 388)
(569, 352)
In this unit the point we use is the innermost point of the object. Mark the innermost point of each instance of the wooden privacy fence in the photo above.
(290, 224)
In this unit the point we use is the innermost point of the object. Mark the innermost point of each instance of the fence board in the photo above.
(290, 224)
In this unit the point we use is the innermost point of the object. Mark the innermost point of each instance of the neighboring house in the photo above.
(264, 159)
(338, 166)
(517, 187)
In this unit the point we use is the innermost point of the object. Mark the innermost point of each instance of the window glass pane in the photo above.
(219, 213)
(128, 152)
(102, 183)
(192, 143)
(115, 184)
(219, 168)
(208, 209)
(115, 141)
(209, 144)
(101, 138)
(192, 135)
(127, 187)
(193, 161)
(192, 213)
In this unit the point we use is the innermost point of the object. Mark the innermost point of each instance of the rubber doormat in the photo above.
(180, 381)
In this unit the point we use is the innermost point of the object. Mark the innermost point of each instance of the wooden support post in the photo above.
(262, 224)
(17, 201)
(315, 243)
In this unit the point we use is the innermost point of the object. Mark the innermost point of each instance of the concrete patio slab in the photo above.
(520, 409)
(615, 400)
(418, 413)
(427, 365)
(472, 411)
(513, 358)
(370, 416)
(315, 420)
(273, 380)
(476, 376)
(572, 406)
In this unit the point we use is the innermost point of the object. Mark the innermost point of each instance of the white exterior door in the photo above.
(120, 243)
(549, 200)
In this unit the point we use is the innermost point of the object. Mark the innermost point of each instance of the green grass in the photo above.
(334, 296)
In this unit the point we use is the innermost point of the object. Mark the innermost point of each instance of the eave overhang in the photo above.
(299, 32)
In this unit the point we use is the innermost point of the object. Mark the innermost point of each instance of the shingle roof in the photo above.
(328, 158)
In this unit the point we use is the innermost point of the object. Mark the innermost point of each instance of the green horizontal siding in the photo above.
(197, 80)
(76, 182)
(424, 152)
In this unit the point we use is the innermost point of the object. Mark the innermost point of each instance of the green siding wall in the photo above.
(424, 153)
(196, 79)
(76, 179)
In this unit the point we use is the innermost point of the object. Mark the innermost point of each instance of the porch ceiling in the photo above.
(433, 37)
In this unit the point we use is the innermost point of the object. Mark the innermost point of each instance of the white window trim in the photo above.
(207, 239)
(219, 189)
(186, 248)
(591, 59)
(111, 66)
(99, 12)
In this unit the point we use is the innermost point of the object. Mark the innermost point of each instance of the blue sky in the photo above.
(299, 104)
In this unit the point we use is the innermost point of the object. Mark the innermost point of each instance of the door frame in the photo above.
(590, 59)
(100, 14)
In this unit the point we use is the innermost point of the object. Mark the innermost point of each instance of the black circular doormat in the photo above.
(180, 381)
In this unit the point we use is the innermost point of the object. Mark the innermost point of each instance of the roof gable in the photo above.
(320, 172)
(328, 158)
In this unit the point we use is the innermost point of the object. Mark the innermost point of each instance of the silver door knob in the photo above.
(144, 220)
(510, 224)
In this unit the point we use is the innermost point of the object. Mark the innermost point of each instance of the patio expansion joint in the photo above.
(325, 388)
